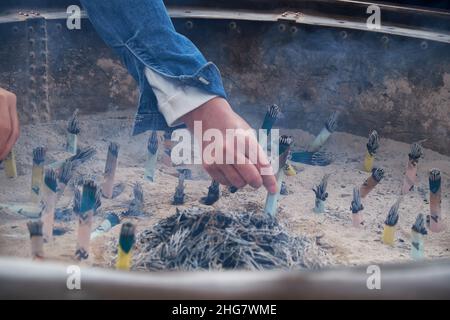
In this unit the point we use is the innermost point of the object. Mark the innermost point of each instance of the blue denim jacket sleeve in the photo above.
(143, 35)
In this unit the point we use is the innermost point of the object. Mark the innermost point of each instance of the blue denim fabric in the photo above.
(143, 35)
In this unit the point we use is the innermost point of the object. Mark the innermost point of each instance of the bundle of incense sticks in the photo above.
(270, 118)
(110, 170)
(10, 165)
(64, 176)
(356, 208)
(283, 189)
(73, 129)
(152, 157)
(84, 205)
(49, 203)
(418, 232)
(112, 219)
(411, 168)
(37, 173)
(178, 197)
(321, 195)
(37, 240)
(312, 158)
(371, 182)
(436, 223)
(390, 223)
(372, 147)
(126, 242)
(327, 130)
(213, 194)
(272, 199)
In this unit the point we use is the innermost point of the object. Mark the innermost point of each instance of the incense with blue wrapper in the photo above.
(73, 129)
(436, 222)
(271, 205)
(152, 156)
(418, 232)
(329, 127)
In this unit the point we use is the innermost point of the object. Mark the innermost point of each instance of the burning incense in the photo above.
(110, 170)
(111, 220)
(213, 193)
(436, 223)
(73, 129)
(390, 223)
(371, 182)
(37, 241)
(10, 165)
(411, 168)
(327, 130)
(152, 157)
(126, 242)
(49, 203)
(372, 147)
(418, 232)
(272, 199)
(321, 195)
(270, 118)
(65, 174)
(37, 173)
(312, 158)
(178, 197)
(84, 208)
(356, 208)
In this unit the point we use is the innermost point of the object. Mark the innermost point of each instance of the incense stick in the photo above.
(112, 219)
(436, 223)
(213, 193)
(178, 197)
(37, 241)
(82, 156)
(283, 189)
(312, 158)
(271, 205)
(327, 130)
(371, 182)
(411, 168)
(64, 176)
(418, 231)
(10, 165)
(321, 195)
(85, 213)
(372, 148)
(49, 203)
(390, 223)
(126, 242)
(73, 129)
(270, 118)
(152, 156)
(37, 173)
(356, 207)
(136, 205)
(110, 170)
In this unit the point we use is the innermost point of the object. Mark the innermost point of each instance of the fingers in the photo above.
(14, 125)
(265, 170)
(217, 175)
(250, 174)
(232, 176)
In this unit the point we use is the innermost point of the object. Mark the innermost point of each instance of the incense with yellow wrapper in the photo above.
(37, 173)
(390, 223)
(10, 165)
(126, 242)
(372, 148)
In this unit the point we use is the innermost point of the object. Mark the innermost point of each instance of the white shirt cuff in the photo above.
(175, 99)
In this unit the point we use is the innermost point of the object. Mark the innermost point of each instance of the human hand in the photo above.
(9, 122)
(217, 114)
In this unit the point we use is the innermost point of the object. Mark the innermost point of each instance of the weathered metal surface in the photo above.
(398, 85)
(23, 279)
